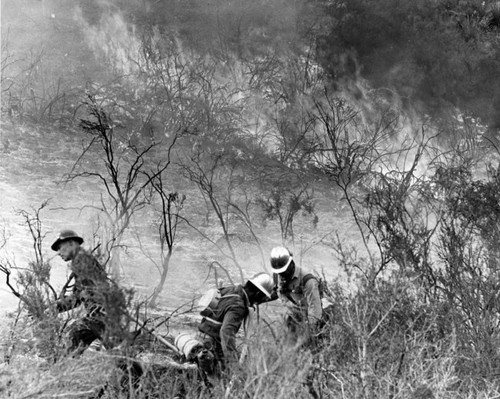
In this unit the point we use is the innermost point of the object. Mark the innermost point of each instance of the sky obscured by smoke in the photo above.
(66, 30)
(71, 43)
(434, 56)
(45, 29)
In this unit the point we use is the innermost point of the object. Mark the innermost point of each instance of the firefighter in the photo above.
(299, 289)
(223, 319)
(90, 285)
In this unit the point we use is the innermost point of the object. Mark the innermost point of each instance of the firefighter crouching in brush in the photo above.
(91, 289)
(299, 290)
(222, 320)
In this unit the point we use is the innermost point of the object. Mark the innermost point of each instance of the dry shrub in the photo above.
(388, 340)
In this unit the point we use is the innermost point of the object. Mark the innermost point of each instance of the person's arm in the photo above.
(314, 308)
(230, 325)
(68, 302)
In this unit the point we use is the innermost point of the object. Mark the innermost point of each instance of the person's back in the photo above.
(222, 323)
(91, 283)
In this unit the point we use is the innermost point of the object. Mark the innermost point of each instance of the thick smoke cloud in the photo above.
(440, 57)
(83, 40)
(437, 57)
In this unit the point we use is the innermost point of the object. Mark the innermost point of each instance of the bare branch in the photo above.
(6, 271)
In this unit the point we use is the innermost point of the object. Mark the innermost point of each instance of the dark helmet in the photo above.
(66, 235)
(264, 283)
(281, 258)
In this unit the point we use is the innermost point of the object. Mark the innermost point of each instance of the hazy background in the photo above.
(67, 45)
(362, 134)
(436, 65)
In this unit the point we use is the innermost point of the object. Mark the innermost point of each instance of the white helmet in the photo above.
(263, 282)
(280, 259)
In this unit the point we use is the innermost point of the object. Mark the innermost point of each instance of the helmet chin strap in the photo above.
(288, 274)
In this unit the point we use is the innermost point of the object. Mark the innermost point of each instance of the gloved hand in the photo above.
(206, 361)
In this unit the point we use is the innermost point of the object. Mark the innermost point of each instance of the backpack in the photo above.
(207, 306)
(209, 301)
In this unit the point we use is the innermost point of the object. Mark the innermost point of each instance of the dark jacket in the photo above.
(229, 315)
(90, 286)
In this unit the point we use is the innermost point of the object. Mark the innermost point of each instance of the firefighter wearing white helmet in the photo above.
(264, 283)
(300, 291)
(224, 316)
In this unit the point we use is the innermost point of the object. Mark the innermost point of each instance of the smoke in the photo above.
(439, 57)
(84, 39)
(394, 49)
(112, 40)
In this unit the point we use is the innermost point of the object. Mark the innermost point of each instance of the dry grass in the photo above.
(272, 370)
(31, 377)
